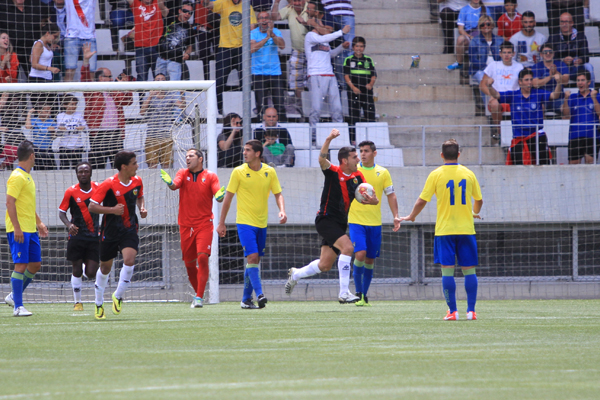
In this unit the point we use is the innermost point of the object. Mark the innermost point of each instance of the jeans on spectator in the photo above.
(262, 85)
(321, 87)
(145, 59)
(72, 49)
(104, 145)
(228, 59)
(448, 17)
(338, 61)
(170, 69)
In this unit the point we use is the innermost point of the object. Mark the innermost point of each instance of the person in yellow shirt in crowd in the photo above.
(253, 181)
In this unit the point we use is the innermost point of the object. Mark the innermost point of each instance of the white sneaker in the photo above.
(9, 300)
(289, 285)
(21, 312)
(348, 298)
(198, 302)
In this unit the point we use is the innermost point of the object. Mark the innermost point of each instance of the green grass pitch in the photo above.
(304, 350)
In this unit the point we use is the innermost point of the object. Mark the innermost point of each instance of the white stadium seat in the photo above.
(377, 132)
(537, 6)
(324, 129)
(196, 69)
(557, 131)
(300, 134)
(104, 42)
(593, 38)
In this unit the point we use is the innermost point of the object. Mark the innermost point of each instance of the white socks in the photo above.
(76, 284)
(309, 270)
(124, 280)
(101, 281)
(344, 270)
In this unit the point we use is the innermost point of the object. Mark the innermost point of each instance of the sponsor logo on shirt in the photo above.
(235, 18)
(321, 47)
(147, 13)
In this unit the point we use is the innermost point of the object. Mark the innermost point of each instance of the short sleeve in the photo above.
(252, 16)
(284, 12)
(141, 188)
(476, 189)
(66, 201)
(275, 185)
(545, 95)
(505, 98)
(387, 179)
(461, 17)
(277, 32)
(429, 189)
(347, 65)
(234, 181)
(218, 6)
(15, 185)
(100, 193)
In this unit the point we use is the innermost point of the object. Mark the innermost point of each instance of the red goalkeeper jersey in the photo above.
(196, 191)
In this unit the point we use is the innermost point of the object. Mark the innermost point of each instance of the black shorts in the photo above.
(83, 249)
(109, 249)
(580, 147)
(330, 231)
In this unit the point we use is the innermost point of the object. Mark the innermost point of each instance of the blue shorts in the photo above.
(366, 238)
(253, 239)
(73, 47)
(27, 252)
(448, 249)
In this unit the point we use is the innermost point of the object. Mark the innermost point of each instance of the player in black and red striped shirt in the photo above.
(119, 195)
(332, 218)
(84, 229)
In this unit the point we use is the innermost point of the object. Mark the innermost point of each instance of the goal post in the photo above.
(68, 123)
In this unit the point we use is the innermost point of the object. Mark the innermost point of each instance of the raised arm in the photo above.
(323, 161)
(163, 8)
(558, 89)
(594, 95)
(566, 111)
(274, 15)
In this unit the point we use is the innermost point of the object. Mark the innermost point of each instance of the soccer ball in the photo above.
(363, 188)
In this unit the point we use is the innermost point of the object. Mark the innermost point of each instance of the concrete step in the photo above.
(399, 31)
(389, 4)
(427, 93)
(402, 123)
(403, 61)
(426, 108)
(393, 16)
(468, 156)
(405, 137)
(407, 46)
(417, 77)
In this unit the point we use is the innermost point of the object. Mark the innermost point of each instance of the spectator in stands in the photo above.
(120, 16)
(266, 67)
(81, 29)
(494, 8)
(58, 15)
(43, 131)
(206, 33)
(527, 41)
(11, 111)
(261, 5)
(9, 62)
(148, 18)
(504, 76)
(230, 151)
(571, 46)
(557, 7)
(41, 55)
(543, 75)
(298, 31)
(321, 80)
(175, 46)
(484, 48)
(276, 140)
(449, 10)
(160, 109)
(583, 108)
(21, 19)
(527, 116)
(360, 76)
(229, 53)
(510, 22)
(104, 114)
(468, 19)
(70, 132)
(343, 15)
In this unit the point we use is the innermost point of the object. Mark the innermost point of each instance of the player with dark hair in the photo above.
(119, 195)
(454, 185)
(365, 222)
(197, 186)
(21, 222)
(84, 229)
(252, 181)
(332, 218)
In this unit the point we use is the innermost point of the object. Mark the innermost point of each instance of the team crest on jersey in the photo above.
(355, 181)
(188, 178)
(377, 173)
(135, 192)
(533, 106)
(78, 200)
(591, 106)
(352, 64)
(118, 193)
(266, 174)
(367, 64)
(247, 175)
(203, 180)
(342, 179)
(19, 254)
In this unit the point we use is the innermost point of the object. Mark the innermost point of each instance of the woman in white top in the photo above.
(41, 55)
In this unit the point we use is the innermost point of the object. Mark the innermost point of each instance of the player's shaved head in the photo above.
(25, 150)
(450, 150)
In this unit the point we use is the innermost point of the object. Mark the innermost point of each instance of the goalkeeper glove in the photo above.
(165, 177)
(220, 194)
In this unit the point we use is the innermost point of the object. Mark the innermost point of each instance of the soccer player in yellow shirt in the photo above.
(252, 181)
(364, 222)
(21, 223)
(454, 186)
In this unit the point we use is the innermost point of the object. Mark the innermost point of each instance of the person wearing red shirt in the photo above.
(197, 186)
(117, 198)
(148, 21)
(510, 22)
(9, 62)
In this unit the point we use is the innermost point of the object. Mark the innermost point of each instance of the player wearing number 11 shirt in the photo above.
(454, 186)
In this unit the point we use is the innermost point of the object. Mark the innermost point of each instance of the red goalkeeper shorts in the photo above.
(194, 241)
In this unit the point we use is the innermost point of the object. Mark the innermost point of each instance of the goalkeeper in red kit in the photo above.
(197, 187)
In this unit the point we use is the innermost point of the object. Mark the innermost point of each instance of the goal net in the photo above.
(70, 123)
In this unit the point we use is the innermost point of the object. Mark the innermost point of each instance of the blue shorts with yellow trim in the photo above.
(27, 252)
(253, 239)
(451, 248)
(366, 238)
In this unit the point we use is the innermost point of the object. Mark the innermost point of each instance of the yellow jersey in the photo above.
(21, 186)
(231, 22)
(454, 185)
(363, 214)
(252, 188)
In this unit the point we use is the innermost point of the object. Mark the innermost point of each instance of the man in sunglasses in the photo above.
(543, 75)
(175, 45)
